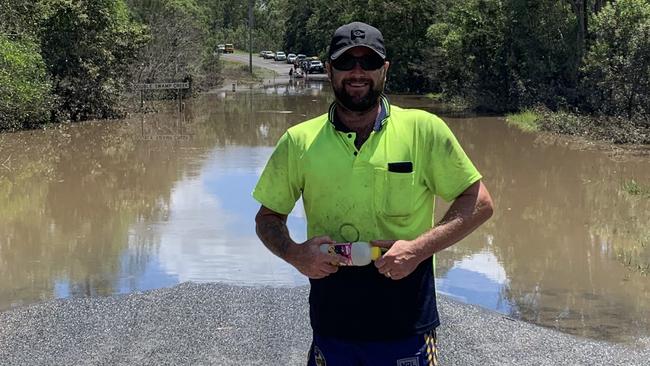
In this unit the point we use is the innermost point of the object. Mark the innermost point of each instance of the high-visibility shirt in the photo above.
(383, 190)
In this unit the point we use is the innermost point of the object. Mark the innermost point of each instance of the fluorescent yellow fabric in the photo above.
(349, 194)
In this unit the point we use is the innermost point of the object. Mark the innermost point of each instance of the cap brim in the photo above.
(338, 53)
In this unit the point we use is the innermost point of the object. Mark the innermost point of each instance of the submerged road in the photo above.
(214, 324)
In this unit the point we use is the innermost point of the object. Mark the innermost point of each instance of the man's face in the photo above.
(358, 90)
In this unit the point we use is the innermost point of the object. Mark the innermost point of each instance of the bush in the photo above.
(526, 120)
(25, 98)
(614, 129)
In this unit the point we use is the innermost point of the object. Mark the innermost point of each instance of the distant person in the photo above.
(291, 73)
(368, 171)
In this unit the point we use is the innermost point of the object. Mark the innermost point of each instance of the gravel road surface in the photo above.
(214, 324)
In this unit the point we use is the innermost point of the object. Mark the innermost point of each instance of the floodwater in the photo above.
(115, 207)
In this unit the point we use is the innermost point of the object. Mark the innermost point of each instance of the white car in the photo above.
(280, 56)
(291, 58)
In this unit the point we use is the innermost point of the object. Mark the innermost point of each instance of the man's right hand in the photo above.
(310, 261)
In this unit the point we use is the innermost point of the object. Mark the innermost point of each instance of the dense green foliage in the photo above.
(589, 56)
(617, 66)
(503, 55)
(88, 46)
(24, 88)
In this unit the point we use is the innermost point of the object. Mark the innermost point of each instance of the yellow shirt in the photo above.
(384, 190)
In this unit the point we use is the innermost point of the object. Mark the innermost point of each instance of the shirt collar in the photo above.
(382, 116)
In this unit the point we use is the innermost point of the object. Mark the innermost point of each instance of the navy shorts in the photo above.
(418, 350)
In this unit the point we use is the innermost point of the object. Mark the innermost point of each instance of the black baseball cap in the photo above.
(356, 34)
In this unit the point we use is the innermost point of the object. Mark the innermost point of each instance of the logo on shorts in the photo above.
(318, 357)
(411, 361)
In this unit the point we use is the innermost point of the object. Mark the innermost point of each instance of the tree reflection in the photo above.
(77, 202)
(68, 204)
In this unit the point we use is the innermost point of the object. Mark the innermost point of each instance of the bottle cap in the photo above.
(375, 253)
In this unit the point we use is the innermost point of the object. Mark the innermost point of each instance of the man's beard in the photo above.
(362, 103)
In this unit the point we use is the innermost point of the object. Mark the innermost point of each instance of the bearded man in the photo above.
(369, 171)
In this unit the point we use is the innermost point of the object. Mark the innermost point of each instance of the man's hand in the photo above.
(399, 261)
(271, 227)
(310, 261)
(468, 211)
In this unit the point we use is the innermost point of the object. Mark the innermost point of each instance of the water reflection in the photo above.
(478, 279)
(210, 234)
(115, 207)
(561, 218)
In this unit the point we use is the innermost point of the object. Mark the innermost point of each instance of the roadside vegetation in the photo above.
(240, 73)
(525, 120)
(635, 189)
(578, 67)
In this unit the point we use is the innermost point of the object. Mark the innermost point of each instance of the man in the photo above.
(369, 171)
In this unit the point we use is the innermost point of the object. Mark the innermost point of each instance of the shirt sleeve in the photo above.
(279, 186)
(450, 172)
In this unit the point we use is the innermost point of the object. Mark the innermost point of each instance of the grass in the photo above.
(439, 97)
(635, 189)
(240, 72)
(450, 104)
(526, 120)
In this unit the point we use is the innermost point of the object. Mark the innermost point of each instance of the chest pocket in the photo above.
(396, 196)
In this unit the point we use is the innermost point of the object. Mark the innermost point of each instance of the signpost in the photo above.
(160, 86)
(163, 86)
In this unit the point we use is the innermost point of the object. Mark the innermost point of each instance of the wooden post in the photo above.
(180, 100)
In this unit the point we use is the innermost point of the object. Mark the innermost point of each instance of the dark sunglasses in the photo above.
(346, 62)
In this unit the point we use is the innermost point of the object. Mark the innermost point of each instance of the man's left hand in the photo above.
(399, 261)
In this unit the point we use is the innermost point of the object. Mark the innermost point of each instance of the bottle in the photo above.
(358, 253)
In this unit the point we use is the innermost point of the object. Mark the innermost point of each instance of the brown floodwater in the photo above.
(113, 207)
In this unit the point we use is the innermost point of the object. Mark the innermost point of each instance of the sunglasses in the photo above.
(347, 62)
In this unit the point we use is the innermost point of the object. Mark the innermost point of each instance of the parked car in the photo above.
(315, 66)
(229, 48)
(291, 58)
(221, 48)
(269, 54)
(262, 53)
(280, 56)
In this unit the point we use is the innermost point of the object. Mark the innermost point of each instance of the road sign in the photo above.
(161, 86)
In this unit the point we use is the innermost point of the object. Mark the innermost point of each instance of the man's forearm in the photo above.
(466, 213)
(273, 232)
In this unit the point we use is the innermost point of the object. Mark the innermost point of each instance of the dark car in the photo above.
(315, 67)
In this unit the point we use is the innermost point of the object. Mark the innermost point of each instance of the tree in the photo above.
(87, 47)
(21, 17)
(616, 72)
(25, 97)
(177, 31)
(469, 48)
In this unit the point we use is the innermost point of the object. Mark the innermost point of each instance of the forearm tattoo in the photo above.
(273, 232)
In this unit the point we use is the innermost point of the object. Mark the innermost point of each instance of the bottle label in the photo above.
(344, 250)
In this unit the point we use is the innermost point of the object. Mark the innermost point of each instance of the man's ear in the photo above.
(328, 69)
